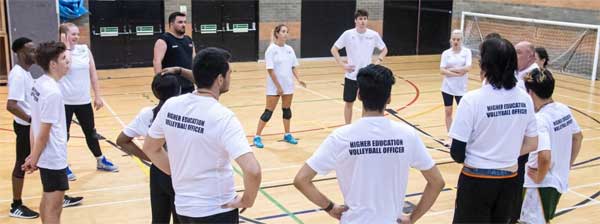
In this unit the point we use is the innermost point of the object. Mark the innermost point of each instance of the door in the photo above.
(123, 32)
(322, 23)
(231, 25)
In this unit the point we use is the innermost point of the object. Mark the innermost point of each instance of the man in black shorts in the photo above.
(49, 131)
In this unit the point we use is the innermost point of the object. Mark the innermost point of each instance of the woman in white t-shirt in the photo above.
(162, 195)
(75, 87)
(454, 66)
(281, 67)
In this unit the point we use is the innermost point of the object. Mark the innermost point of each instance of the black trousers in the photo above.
(521, 179)
(481, 200)
(85, 116)
(162, 197)
(232, 216)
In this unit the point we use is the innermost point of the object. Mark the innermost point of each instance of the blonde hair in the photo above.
(64, 27)
(457, 32)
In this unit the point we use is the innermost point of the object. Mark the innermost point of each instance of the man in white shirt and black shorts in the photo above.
(18, 104)
(372, 158)
(359, 43)
(49, 131)
(559, 143)
(203, 136)
(493, 126)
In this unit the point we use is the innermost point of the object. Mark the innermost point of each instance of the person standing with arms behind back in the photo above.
(18, 104)
(372, 158)
(359, 43)
(48, 130)
(175, 49)
(202, 137)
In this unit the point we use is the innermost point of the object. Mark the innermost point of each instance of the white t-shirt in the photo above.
(47, 107)
(140, 124)
(556, 126)
(521, 74)
(281, 60)
(456, 86)
(493, 123)
(203, 137)
(76, 85)
(19, 89)
(359, 48)
(371, 158)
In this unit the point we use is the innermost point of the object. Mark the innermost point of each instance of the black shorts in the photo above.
(232, 216)
(54, 180)
(448, 99)
(350, 89)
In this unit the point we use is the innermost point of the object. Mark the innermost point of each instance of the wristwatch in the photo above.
(329, 207)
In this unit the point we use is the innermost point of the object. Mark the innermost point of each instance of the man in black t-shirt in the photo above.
(174, 48)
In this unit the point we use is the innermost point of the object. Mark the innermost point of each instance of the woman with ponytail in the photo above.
(164, 86)
(281, 63)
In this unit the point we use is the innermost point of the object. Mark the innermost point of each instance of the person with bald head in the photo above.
(525, 61)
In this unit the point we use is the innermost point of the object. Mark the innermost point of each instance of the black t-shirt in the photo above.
(179, 53)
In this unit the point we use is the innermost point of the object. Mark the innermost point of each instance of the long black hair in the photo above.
(499, 62)
(164, 87)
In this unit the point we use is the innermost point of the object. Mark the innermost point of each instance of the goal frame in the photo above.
(547, 22)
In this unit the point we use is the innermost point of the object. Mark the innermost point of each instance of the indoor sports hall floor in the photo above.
(123, 197)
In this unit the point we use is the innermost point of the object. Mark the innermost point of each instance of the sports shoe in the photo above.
(258, 142)
(290, 139)
(23, 212)
(70, 175)
(71, 201)
(106, 165)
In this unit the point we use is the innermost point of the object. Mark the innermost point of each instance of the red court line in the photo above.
(417, 94)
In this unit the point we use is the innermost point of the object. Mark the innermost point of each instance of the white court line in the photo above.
(595, 202)
(113, 113)
(85, 191)
(100, 204)
(584, 186)
(439, 212)
(583, 196)
(578, 206)
(354, 106)
(109, 203)
(590, 139)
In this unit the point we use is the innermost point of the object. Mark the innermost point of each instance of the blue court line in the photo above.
(318, 210)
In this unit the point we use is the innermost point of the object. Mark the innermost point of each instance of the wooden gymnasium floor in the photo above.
(123, 197)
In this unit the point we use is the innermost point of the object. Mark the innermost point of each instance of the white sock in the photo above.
(99, 157)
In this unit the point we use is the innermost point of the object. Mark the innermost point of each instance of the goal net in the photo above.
(572, 48)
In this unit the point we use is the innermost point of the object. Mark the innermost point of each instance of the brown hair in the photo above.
(48, 51)
(276, 30)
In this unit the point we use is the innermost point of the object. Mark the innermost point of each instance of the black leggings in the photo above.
(162, 197)
(85, 116)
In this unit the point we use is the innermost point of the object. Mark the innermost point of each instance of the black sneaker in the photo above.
(71, 201)
(23, 212)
